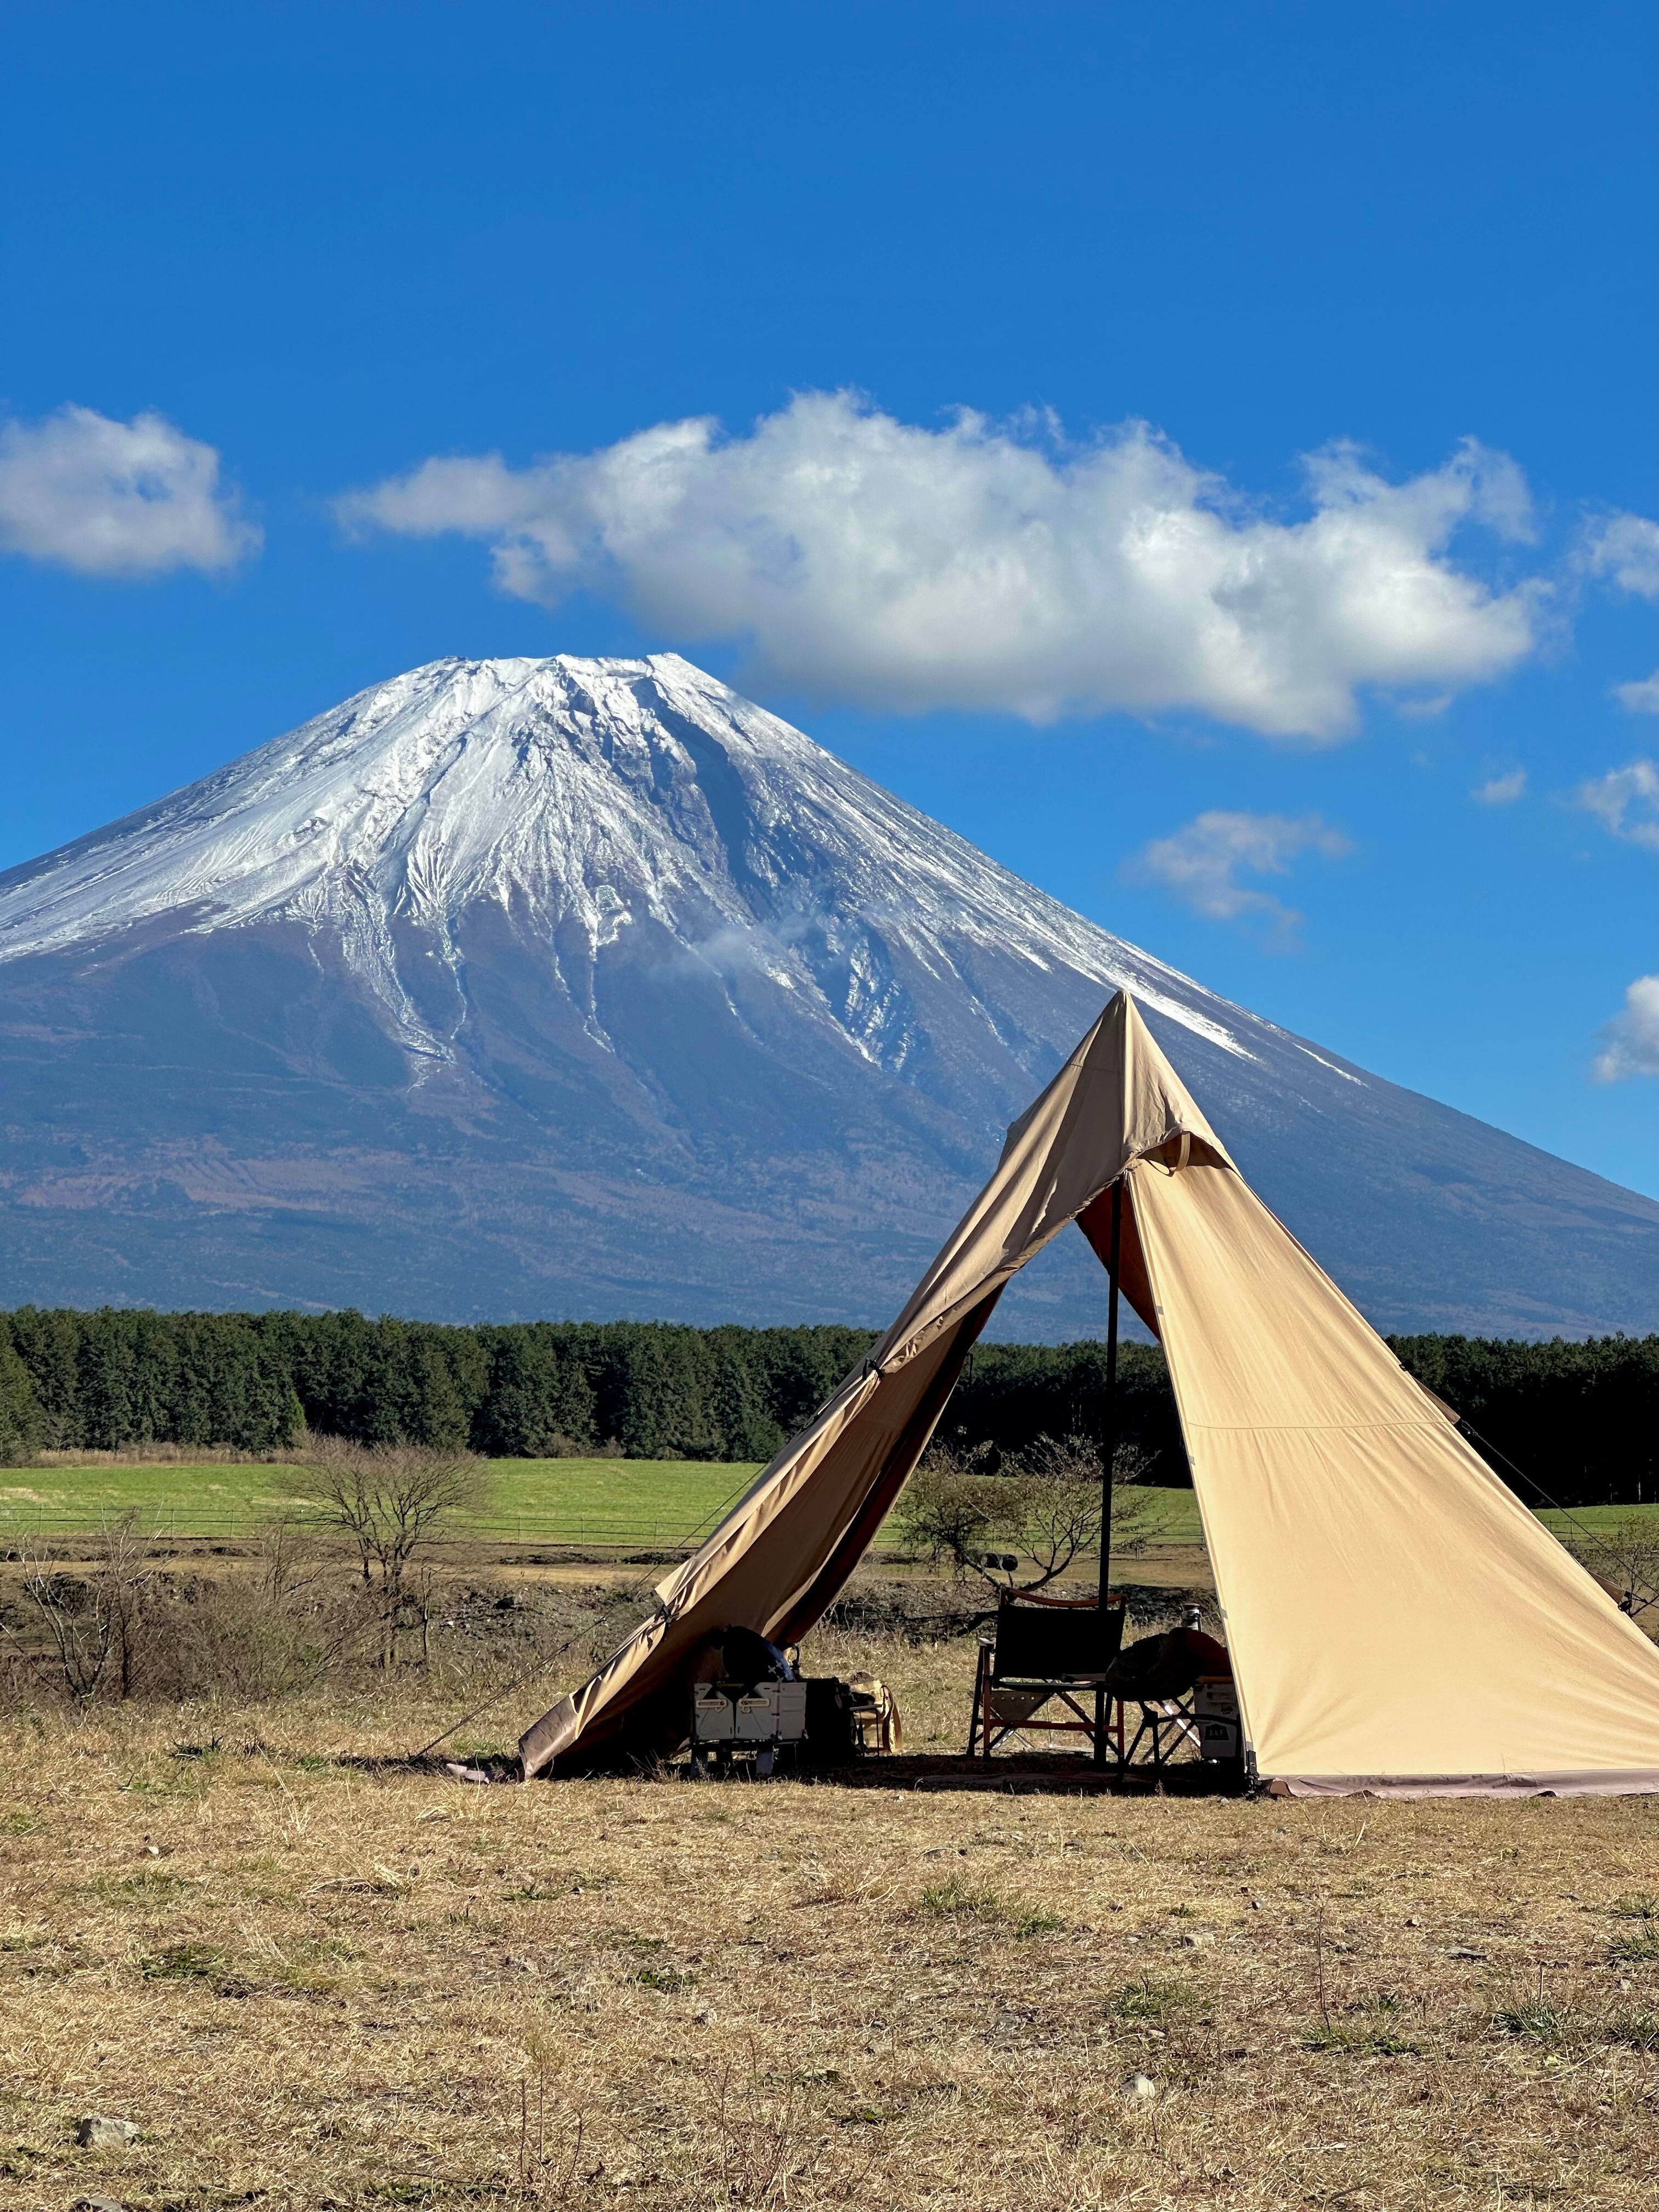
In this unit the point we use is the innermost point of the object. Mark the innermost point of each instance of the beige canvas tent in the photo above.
(1398, 1621)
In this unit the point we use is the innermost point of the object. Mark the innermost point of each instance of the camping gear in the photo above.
(748, 1658)
(819, 1722)
(1215, 1709)
(756, 1719)
(1166, 1665)
(1154, 1687)
(1395, 1618)
(877, 1727)
(1136, 1706)
(1040, 1668)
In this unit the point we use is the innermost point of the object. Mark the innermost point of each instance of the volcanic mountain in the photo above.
(585, 988)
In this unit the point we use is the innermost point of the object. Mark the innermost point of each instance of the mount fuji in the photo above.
(587, 989)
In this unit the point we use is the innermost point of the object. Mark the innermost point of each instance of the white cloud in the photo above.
(1625, 547)
(1201, 864)
(1501, 790)
(116, 499)
(985, 567)
(1631, 1040)
(1627, 801)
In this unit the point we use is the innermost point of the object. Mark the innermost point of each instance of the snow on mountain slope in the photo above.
(566, 790)
(587, 986)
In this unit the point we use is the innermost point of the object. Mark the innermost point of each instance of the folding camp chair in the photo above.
(1165, 1724)
(1043, 1652)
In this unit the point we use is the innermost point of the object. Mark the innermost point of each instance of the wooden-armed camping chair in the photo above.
(1043, 1652)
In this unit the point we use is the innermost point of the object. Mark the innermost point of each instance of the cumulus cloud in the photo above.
(1625, 549)
(116, 499)
(985, 566)
(1641, 698)
(1630, 1042)
(1627, 801)
(1201, 864)
(1501, 790)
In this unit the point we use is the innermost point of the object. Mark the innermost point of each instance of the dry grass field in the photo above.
(314, 1976)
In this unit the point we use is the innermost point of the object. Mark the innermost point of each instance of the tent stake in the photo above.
(1108, 1447)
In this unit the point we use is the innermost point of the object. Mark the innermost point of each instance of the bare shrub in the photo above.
(389, 1501)
(95, 1617)
(1042, 1512)
(261, 1635)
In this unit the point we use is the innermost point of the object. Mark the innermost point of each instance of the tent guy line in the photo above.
(1398, 1621)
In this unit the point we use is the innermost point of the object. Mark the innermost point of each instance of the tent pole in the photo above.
(1109, 1426)
(1109, 1444)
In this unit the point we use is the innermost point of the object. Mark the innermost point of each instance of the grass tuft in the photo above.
(1145, 2000)
(665, 1979)
(183, 1962)
(1032, 1920)
(954, 1899)
(1537, 2021)
(1359, 2040)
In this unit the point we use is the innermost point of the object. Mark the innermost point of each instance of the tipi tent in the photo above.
(1398, 1621)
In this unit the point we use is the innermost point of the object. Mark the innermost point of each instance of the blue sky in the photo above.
(1233, 707)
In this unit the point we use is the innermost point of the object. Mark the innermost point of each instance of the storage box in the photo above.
(772, 1712)
(1215, 1709)
(714, 1719)
(757, 1714)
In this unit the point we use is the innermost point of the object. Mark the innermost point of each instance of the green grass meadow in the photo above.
(563, 1501)
(601, 1501)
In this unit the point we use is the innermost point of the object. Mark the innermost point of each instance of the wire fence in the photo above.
(599, 1533)
(185, 1521)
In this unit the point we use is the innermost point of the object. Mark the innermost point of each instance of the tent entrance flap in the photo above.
(1396, 1619)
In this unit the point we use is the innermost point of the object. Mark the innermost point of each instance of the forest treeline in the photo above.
(1581, 1420)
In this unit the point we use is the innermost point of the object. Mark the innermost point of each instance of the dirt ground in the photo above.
(313, 1977)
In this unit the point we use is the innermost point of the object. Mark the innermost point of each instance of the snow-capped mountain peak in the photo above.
(577, 797)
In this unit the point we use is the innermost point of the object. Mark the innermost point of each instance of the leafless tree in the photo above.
(95, 1619)
(1026, 1526)
(389, 1501)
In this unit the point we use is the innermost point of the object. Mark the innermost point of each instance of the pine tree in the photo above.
(22, 1423)
(106, 1365)
(747, 1429)
(49, 1343)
